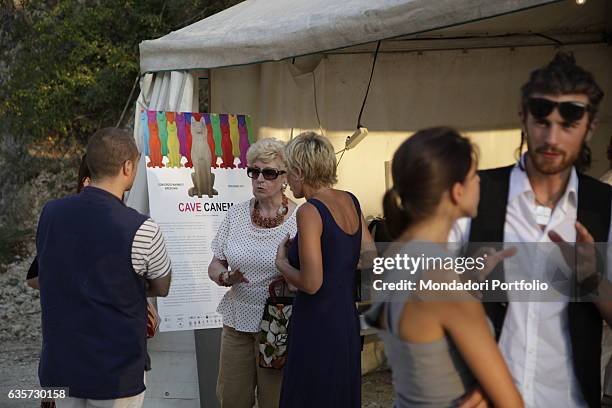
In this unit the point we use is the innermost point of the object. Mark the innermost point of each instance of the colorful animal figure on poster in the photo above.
(211, 139)
(189, 138)
(216, 128)
(182, 136)
(155, 155)
(174, 155)
(202, 177)
(249, 123)
(226, 143)
(162, 126)
(234, 135)
(152, 117)
(244, 141)
(144, 128)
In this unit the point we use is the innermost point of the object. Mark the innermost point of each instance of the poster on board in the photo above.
(196, 170)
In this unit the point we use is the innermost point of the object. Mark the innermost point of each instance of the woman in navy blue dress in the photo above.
(323, 367)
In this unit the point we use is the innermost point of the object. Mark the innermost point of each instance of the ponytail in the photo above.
(396, 218)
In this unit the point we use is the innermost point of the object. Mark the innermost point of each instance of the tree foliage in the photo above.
(67, 68)
(75, 61)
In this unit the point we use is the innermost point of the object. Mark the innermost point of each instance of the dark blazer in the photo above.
(585, 321)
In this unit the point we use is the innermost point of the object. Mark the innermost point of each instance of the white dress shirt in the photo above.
(535, 339)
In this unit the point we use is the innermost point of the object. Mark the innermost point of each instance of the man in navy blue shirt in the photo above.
(98, 261)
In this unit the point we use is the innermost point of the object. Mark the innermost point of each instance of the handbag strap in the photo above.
(276, 283)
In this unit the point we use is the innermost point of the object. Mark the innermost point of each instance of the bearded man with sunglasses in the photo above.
(552, 348)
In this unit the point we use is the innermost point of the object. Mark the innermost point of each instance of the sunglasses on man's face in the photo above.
(570, 111)
(268, 174)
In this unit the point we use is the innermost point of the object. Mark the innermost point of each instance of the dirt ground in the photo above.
(19, 364)
(18, 370)
(377, 390)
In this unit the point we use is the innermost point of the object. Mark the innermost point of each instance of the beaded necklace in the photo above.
(270, 222)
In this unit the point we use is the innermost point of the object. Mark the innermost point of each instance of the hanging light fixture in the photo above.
(362, 131)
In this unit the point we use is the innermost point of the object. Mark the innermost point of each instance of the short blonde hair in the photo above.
(266, 150)
(312, 156)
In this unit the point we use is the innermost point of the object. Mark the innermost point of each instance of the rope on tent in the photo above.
(548, 38)
(314, 87)
(127, 103)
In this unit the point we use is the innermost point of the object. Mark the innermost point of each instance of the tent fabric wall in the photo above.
(241, 34)
(475, 91)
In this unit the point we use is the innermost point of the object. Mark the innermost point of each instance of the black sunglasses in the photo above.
(570, 111)
(268, 174)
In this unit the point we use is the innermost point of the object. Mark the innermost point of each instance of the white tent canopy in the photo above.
(456, 62)
(272, 30)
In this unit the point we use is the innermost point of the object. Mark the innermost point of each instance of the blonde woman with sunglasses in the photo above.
(244, 251)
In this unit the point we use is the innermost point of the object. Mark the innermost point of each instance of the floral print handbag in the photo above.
(274, 326)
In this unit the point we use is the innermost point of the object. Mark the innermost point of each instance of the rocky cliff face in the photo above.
(20, 305)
